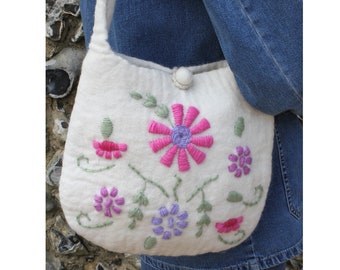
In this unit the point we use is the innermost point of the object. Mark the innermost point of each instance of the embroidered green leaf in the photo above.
(106, 128)
(136, 213)
(200, 232)
(162, 111)
(132, 225)
(139, 214)
(150, 242)
(204, 206)
(239, 126)
(234, 196)
(205, 220)
(150, 101)
(141, 199)
(136, 95)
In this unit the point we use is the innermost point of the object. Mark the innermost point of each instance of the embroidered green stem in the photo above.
(146, 180)
(202, 187)
(179, 181)
(136, 214)
(149, 101)
(204, 207)
(82, 157)
(258, 194)
(233, 242)
(96, 226)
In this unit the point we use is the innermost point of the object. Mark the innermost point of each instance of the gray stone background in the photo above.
(65, 49)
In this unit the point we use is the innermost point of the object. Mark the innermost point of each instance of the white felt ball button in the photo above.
(182, 78)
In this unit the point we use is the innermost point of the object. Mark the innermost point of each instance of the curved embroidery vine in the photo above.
(91, 170)
(235, 196)
(233, 242)
(204, 206)
(96, 226)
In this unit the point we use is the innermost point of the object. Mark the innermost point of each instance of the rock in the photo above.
(50, 203)
(62, 70)
(55, 11)
(54, 169)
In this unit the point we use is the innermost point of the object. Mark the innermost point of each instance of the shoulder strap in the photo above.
(102, 19)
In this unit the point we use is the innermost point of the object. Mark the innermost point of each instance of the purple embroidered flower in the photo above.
(108, 201)
(170, 222)
(240, 161)
(182, 137)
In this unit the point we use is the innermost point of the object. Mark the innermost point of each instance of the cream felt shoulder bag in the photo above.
(162, 161)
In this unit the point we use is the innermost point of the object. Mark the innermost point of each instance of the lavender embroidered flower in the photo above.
(170, 222)
(108, 201)
(240, 161)
(182, 137)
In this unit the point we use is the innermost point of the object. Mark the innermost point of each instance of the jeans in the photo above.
(262, 42)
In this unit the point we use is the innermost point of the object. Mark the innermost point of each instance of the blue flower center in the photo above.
(181, 136)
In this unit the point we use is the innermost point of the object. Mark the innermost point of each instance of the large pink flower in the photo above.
(182, 137)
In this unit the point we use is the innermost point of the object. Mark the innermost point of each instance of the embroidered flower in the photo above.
(230, 225)
(170, 222)
(182, 137)
(108, 201)
(109, 149)
(240, 162)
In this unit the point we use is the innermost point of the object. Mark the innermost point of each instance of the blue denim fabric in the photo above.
(262, 42)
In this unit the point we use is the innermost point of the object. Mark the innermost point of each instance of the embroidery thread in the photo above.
(140, 199)
(169, 222)
(182, 137)
(108, 201)
(228, 226)
(91, 170)
(96, 226)
(204, 207)
(235, 196)
(239, 126)
(150, 101)
(240, 161)
(108, 149)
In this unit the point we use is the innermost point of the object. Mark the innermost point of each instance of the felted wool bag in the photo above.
(162, 161)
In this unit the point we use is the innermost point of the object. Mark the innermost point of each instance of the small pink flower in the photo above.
(108, 201)
(240, 161)
(230, 225)
(182, 137)
(109, 149)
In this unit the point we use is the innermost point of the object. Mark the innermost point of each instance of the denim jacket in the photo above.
(262, 42)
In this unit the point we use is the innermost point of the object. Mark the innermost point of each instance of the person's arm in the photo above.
(262, 41)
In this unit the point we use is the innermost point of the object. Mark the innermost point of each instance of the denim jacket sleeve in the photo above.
(262, 41)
